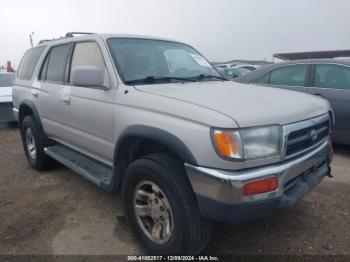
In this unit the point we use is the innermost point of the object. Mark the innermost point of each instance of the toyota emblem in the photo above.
(313, 135)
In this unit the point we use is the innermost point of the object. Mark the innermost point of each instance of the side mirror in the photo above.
(88, 76)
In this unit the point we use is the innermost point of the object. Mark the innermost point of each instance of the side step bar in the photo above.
(89, 168)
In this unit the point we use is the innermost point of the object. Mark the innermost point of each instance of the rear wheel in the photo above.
(34, 142)
(161, 208)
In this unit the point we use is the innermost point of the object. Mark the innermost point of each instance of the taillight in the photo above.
(330, 146)
(261, 186)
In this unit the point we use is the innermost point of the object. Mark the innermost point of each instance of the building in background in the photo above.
(313, 55)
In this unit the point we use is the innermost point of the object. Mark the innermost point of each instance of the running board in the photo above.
(89, 168)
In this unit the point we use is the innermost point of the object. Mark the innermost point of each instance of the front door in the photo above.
(91, 109)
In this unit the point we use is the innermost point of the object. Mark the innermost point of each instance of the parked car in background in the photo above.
(251, 65)
(151, 117)
(233, 72)
(6, 83)
(327, 78)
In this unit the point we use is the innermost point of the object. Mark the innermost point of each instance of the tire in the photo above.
(34, 148)
(190, 231)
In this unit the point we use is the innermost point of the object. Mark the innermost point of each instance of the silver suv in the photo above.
(186, 147)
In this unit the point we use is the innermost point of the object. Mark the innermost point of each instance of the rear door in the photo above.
(54, 91)
(290, 77)
(332, 81)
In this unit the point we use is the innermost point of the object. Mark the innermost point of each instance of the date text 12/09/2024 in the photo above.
(173, 258)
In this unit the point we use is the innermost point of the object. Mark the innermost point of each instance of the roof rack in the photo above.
(43, 41)
(68, 35)
(71, 34)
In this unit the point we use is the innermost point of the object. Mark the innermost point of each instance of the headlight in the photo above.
(248, 144)
(261, 142)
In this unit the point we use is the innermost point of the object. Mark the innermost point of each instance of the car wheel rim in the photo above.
(153, 212)
(30, 142)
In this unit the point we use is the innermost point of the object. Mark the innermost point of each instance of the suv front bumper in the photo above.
(220, 192)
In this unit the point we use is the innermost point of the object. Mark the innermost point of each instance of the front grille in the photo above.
(300, 140)
(289, 186)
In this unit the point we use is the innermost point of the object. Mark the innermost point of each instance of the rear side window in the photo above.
(294, 75)
(29, 61)
(56, 64)
(332, 76)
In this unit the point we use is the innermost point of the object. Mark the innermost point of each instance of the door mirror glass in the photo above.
(88, 76)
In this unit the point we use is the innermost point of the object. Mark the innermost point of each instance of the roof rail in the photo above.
(43, 41)
(68, 35)
(71, 34)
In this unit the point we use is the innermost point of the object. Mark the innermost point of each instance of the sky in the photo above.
(221, 30)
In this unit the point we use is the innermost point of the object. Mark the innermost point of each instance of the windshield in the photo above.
(156, 60)
(6, 80)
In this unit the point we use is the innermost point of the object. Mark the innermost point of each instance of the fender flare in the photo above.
(31, 105)
(158, 135)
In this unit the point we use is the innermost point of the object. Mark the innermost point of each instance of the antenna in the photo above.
(31, 39)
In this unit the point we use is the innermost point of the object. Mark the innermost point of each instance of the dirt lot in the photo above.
(58, 212)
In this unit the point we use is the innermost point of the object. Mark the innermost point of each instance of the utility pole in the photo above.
(31, 39)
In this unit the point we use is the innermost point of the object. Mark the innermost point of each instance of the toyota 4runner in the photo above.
(186, 147)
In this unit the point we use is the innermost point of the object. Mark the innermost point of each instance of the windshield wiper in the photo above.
(203, 76)
(151, 79)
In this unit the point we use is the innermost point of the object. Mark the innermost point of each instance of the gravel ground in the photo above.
(58, 212)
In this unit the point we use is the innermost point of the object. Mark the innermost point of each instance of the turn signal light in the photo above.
(227, 144)
(261, 186)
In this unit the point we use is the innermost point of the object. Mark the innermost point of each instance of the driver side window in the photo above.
(88, 54)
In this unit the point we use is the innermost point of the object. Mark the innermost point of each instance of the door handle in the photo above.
(35, 93)
(66, 100)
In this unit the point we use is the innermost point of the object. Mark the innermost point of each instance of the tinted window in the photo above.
(44, 68)
(250, 68)
(6, 80)
(29, 61)
(88, 54)
(332, 76)
(57, 63)
(294, 75)
(264, 79)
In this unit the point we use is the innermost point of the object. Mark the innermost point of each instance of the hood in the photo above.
(248, 105)
(5, 94)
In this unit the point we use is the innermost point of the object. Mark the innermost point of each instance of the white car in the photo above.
(6, 82)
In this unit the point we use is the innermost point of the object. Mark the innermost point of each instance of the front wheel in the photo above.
(161, 209)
